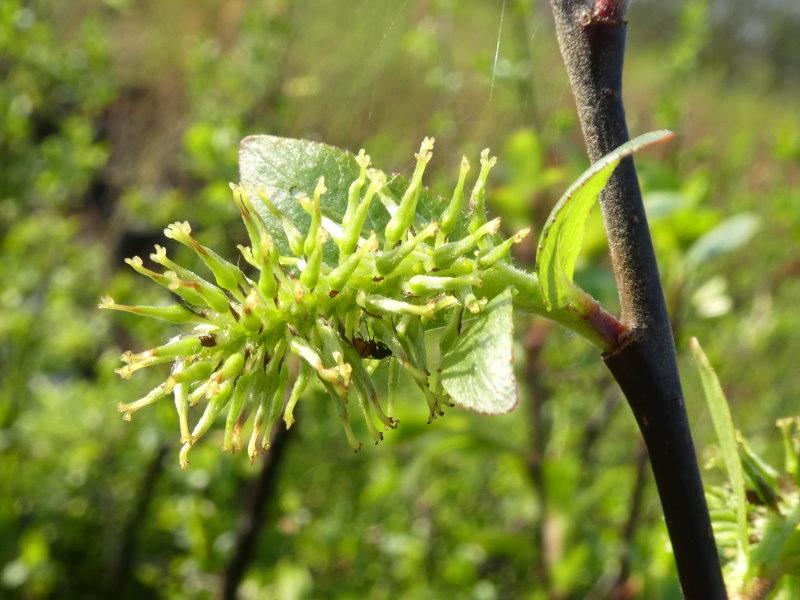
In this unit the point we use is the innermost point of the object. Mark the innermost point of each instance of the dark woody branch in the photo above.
(592, 41)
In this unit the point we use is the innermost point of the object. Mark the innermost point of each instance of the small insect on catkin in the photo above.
(256, 339)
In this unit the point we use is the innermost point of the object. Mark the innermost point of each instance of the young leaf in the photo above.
(723, 426)
(477, 373)
(562, 236)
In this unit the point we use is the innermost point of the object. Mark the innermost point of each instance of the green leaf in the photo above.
(286, 168)
(726, 435)
(730, 235)
(477, 373)
(562, 236)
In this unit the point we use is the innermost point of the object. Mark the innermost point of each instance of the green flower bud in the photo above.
(152, 396)
(456, 206)
(187, 293)
(447, 253)
(341, 407)
(339, 277)
(500, 252)
(310, 274)
(404, 217)
(256, 229)
(477, 199)
(227, 275)
(300, 383)
(178, 346)
(390, 306)
(196, 371)
(173, 314)
(354, 192)
(420, 285)
(313, 208)
(389, 260)
(351, 233)
(293, 235)
(180, 278)
(250, 377)
(181, 394)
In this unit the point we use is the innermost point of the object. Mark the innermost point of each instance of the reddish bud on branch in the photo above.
(605, 12)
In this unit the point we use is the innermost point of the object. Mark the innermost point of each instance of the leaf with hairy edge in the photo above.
(562, 236)
(723, 426)
(477, 373)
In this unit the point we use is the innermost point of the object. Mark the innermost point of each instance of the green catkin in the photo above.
(242, 332)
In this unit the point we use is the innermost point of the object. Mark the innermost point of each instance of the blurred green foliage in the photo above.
(117, 117)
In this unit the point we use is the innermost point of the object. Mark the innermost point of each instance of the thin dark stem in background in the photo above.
(258, 500)
(119, 573)
(598, 423)
(540, 432)
(622, 589)
(592, 41)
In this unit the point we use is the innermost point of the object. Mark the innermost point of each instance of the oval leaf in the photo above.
(477, 373)
(562, 236)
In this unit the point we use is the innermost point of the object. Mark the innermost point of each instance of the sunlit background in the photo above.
(119, 117)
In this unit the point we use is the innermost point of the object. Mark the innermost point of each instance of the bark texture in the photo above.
(592, 41)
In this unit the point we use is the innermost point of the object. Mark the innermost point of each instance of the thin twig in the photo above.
(535, 339)
(119, 573)
(252, 521)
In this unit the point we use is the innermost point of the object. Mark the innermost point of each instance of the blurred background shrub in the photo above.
(117, 117)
